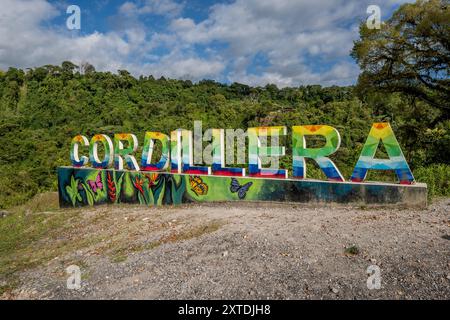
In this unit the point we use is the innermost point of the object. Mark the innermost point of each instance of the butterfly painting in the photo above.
(241, 190)
(198, 186)
(97, 184)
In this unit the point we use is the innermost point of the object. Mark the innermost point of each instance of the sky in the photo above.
(256, 42)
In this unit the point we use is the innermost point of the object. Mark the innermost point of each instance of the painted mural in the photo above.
(90, 186)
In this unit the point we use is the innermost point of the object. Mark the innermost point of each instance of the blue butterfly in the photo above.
(241, 190)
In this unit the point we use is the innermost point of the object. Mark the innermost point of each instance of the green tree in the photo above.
(410, 54)
(68, 67)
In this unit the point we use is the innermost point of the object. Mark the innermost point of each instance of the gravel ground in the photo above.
(251, 251)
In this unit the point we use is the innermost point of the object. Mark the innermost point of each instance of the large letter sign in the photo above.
(218, 166)
(147, 153)
(121, 153)
(93, 151)
(74, 151)
(300, 151)
(181, 153)
(397, 162)
(256, 150)
(174, 178)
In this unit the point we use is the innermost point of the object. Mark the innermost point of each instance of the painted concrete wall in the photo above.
(90, 186)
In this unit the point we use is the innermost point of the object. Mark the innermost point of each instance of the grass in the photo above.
(437, 178)
(352, 250)
(37, 232)
(9, 286)
(43, 202)
(121, 254)
(19, 234)
(191, 233)
(27, 241)
(32, 235)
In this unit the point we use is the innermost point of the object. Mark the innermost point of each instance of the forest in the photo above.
(43, 108)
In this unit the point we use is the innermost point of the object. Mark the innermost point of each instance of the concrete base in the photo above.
(88, 186)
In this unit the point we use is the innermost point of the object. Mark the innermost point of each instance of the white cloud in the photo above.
(162, 7)
(302, 41)
(24, 42)
(289, 33)
(181, 67)
(158, 7)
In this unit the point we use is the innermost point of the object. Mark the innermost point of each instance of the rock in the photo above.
(335, 290)
(225, 253)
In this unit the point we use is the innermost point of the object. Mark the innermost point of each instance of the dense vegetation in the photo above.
(41, 109)
(409, 54)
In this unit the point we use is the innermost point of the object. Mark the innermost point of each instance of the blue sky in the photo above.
(285, 42)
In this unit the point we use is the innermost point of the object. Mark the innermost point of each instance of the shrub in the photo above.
(437, 177)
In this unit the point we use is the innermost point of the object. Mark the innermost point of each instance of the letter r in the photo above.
(300, 152)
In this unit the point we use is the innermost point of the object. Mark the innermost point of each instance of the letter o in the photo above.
(93, 151)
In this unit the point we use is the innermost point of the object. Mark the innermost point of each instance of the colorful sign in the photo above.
(167, 173)
(382, 132)
(176, 154)
(90, 186)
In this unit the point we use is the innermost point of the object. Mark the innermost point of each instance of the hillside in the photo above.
(41, 109)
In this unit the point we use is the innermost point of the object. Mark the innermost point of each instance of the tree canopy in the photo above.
(410, 53)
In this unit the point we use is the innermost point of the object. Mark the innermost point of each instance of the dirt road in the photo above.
(243, 251)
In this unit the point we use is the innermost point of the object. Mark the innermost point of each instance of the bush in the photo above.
(437, 177)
